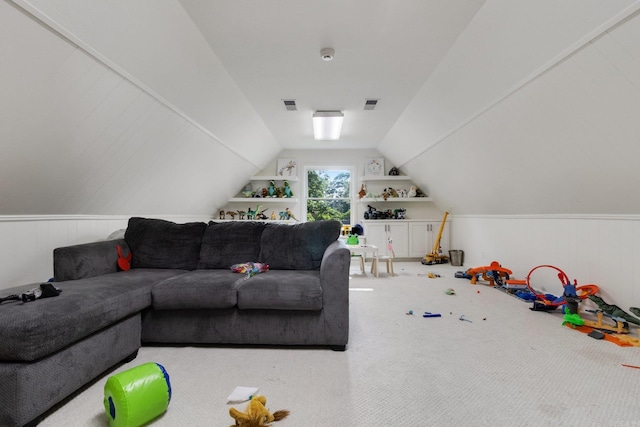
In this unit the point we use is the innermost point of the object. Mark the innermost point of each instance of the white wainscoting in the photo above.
(27, 241)
(599, 249)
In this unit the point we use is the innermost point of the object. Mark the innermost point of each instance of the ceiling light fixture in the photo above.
(327, 125)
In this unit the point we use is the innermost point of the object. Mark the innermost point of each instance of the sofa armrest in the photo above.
(87, 260)
(334, 279)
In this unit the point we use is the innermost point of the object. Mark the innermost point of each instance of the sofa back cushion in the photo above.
(299, 246)
(156, 243)
(228, 243)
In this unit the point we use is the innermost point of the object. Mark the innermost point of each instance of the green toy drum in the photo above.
(136, 396)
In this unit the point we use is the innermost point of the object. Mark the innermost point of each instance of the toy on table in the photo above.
(256, 414)
(136, 396)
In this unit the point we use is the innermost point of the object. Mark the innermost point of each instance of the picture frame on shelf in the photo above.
(374, 166)
(287, 168)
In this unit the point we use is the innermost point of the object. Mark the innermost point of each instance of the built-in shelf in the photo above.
(274, 178)
(385, 178)
(259, 200)
(396, 200)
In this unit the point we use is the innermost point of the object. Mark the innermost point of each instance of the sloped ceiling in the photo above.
(496, 107)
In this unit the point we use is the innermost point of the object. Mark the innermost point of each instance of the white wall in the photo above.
(602, 250)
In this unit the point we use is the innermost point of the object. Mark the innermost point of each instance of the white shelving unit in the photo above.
(391, 178)
(267, 178)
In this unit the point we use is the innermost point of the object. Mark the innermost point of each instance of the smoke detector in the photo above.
(327, 54)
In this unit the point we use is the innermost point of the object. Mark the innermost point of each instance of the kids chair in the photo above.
(390, 255)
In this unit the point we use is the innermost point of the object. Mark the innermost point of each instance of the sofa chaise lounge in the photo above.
(180, 290)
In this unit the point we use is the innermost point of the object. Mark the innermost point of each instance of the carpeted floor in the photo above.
(509, 366)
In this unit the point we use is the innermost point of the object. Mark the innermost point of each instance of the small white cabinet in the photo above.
(377, 232)
(410, 238)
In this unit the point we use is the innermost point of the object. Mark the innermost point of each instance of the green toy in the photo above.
(572, 319)
(136, 396)
(353, 240)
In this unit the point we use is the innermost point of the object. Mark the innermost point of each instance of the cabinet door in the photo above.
(434, 229)
(399, 233)
(375, 234)
(420, 242)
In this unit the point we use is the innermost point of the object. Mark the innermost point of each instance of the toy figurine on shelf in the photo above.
(221, 214)
(287, 190)
(273, 215)
(251, 214)
(394, 171)
(272, 189)
(241, 214)
(362, 192)
(290, 214)
(232, 214)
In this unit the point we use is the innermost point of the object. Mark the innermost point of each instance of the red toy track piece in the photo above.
(587, 290)
(495, 266)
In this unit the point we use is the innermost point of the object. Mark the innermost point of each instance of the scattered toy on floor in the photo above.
(256, 414)
(430, 314)
(450, 291)
(136, 396)
(433, 275)
(613, 310)
(494, 273)
(464, 319)
(410, 312)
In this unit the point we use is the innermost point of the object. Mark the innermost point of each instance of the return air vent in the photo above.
(370, 104)
(290, 104)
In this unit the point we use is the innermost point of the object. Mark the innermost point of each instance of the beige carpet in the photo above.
(510, 366)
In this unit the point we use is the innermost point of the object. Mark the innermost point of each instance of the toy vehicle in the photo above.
(373, 213)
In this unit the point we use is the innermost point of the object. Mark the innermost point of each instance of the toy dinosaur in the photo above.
(287, 190)
(613, 310)
(272, 189)
(232, 214)
(290, 214)
(256, 415)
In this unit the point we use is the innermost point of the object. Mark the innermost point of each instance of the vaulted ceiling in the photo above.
(495, 107)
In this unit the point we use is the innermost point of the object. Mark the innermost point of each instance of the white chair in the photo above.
(388, 256)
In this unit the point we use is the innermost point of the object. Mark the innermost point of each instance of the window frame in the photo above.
(305, 198)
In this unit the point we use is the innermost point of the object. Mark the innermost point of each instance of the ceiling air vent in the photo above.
(290, 104)
(370, 104)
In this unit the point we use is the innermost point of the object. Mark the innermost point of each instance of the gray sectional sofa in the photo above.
(180, 290)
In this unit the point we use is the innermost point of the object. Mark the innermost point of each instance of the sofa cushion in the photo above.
(281, 290)
(299, 246)
(199, 289)
(228, 243)
(36, 329)
(156, 243)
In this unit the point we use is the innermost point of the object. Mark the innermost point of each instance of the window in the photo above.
(328, 194)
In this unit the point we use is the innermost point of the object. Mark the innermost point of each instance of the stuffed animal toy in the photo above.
(362, 192)
(256, 415)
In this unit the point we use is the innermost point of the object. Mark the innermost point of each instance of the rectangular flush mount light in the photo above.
(327, 125)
